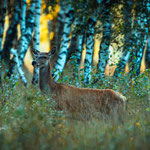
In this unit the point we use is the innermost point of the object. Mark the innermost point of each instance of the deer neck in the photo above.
(47, 84)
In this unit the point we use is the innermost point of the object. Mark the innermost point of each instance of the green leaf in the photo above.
(148, 109)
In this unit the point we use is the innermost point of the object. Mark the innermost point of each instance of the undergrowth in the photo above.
(29, 120)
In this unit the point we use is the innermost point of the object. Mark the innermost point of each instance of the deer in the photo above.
(74, 99)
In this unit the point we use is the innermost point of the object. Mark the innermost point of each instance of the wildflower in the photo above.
(133, 81)
(138, 124)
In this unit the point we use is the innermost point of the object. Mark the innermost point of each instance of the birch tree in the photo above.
(127, 46)
(147, 55)
(58, 27)
(15, 62)
(104, 46)
(76, 45)
(11, 32)
(36, 38)
(89, 49)
(59, 65)
(27, 24)
(3, 5)
(28, 32)
(139, 39)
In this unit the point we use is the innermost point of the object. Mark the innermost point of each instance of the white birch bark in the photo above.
(89, 50)
(59, 65)
(36, 38)
(28, 32)
(11, 32)
(17, 61)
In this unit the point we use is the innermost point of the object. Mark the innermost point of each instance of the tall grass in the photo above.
(29, 120)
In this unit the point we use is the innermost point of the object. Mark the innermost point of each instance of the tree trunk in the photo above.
(36, 38)
(104, 46)
(59, 65)
(28, 33)
(27, 23)
(147, 55)
(15, 62)
(140, 36)
(76, 45)
(11, 32)
(57, 27)
(2, 22)
(89, 49)
(127, 47)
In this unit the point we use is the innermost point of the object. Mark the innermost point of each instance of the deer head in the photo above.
(42, 58)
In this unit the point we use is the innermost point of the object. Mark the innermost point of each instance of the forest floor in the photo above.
(29, 121)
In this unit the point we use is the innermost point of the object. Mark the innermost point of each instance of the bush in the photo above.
(29, 120)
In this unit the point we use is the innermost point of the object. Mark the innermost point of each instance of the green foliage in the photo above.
(29, 120)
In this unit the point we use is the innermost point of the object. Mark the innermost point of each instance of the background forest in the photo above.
(100, 44)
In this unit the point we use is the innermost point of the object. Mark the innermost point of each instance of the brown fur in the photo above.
(76, 100)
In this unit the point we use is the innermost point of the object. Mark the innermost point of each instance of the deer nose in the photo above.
(33, 63)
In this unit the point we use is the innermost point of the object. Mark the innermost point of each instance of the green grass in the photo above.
(28, 120)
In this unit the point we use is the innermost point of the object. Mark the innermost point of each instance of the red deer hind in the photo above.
(74, 99)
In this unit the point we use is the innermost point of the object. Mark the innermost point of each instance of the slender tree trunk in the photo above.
(127, 47)
(36, 38)
(60, 24)
(76, 45)
(58, 31)
(23, 21)
(2, 22)
(140, 36)
(140, 51)
(15, 62)
(89, 50)
(28, 33)
(27, 23)
(59, 65)
(53, 29)
(19, 69)
(11, 32)
(104, 46)
(147, 55)
(80, 39)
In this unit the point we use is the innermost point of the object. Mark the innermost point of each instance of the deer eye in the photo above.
(33, 63)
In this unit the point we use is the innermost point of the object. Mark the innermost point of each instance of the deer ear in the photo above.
(52, 51)
(35, 52)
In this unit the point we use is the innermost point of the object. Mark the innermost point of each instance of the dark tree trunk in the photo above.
(147, 55)
(2, 22)
(11, 32)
